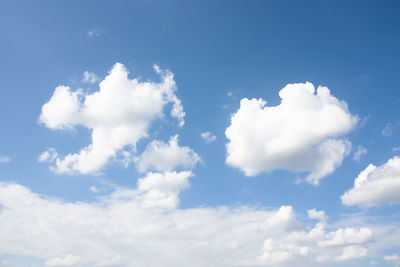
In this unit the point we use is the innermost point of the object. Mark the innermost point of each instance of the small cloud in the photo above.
(94, 33)
(90, 77)
(396, 149)
(208, 137)
(230, 94)
(94, 189)
(48, 156)
(4, 159)
(388, 130)
(359, 152)
(364, 121)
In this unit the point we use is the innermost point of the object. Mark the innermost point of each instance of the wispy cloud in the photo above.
(208, 137)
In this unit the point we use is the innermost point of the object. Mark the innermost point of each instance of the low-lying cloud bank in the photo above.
(131, 228)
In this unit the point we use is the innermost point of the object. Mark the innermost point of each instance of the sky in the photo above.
(199, 133)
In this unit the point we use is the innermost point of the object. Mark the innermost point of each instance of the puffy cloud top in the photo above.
(162, 156)
(375, 186)
(118, 115)
(302, 134)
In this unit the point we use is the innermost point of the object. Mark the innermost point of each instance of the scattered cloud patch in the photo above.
(305, 133)
(208, 137)
(375, 186)
(162, 189)
(388, 130)
(118, 116)
(359, 152)
(90, 77)
(396, 149)
(50, 155)
(160, 156)
(395, 259)
(4, 159)
(68, 261)
(352, 252)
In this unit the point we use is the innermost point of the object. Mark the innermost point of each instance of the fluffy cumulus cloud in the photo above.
(122, 229)
(118, 115)
(305, 133)
(160, 156)
(375, 186)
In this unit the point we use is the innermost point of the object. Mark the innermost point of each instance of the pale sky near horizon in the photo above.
(199, 133)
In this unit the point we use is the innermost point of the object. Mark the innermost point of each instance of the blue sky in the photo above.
(249, 188)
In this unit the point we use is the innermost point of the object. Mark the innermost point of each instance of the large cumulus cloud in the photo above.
(118, 115)
(305, 133)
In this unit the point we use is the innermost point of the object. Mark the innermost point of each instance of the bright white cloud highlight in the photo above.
(376, 186)
(302, 134)
(208, 137)
(160, 156)
(90, 77)
(162, 189)
(118, 116)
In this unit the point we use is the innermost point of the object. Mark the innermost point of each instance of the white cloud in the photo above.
(4, 159)
(303, 134)
(94, 189)
(120, 230)
(281, 219)
(208, 137)
(388, 130)
(318, 215)
(118, 115)
(347, 236)
(395, 259)
(359, 152)
(90, 77)
(162, 189)
(352, 252)
(68, 261)
(162, 157)
(375, 186)
(49, 155)
(396, 149)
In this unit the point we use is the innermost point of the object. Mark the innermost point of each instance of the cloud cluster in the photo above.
(119, 230)
(376, 186)
(302, 134)
(118, 116)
